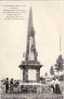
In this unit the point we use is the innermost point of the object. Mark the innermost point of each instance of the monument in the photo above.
(31, 66)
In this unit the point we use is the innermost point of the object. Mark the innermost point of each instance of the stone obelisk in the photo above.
(30, 62)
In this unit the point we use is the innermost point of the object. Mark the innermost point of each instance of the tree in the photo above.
(51, 70)
(59, 63)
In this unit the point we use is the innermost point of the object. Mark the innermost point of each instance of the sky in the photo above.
(48, 22)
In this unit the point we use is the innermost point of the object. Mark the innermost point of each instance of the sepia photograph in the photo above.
(31, 49)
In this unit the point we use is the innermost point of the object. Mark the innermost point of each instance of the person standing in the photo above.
(7, 85)
(11, 85)
(0, 89)
(57, 87)
(53, 85)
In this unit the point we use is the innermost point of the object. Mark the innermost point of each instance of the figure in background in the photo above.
(7, 85)
(57, 87)
(0, 89)
(11, 85)
(53, 85)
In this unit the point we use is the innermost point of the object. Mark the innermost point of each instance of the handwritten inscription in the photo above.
(12, 12)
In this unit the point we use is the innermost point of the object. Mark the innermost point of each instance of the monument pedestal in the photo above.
(26, 66)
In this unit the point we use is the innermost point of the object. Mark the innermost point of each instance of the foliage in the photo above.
(51, 70)
(59, 63)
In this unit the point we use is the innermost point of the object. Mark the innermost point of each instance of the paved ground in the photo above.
(31, 96)
(18, 96)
